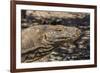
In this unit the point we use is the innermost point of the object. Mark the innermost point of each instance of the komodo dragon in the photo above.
(39, 41)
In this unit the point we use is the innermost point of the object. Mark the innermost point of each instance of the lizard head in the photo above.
(60, 33)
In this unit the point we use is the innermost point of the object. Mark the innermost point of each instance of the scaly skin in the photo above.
(39, 41)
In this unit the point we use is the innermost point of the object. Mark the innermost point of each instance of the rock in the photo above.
(39, 41)
(50, 14)
(25, 25)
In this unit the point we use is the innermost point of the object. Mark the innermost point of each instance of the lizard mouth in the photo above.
(60, 39)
